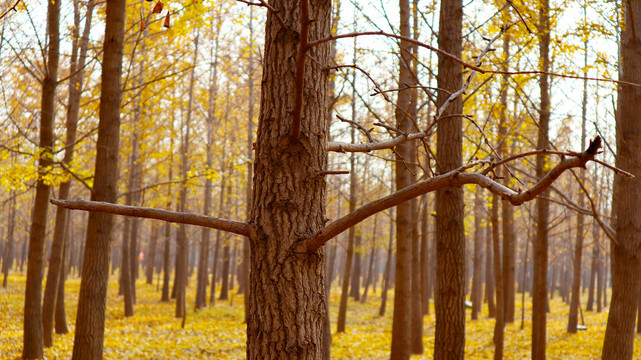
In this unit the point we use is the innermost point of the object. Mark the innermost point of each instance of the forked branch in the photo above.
(455, 178)
(159, 214)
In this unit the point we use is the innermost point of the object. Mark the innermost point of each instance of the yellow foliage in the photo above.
(218, 332)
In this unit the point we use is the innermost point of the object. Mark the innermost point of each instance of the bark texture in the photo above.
(287, 307)
(626, 257)
(90, 320)
(450, 230)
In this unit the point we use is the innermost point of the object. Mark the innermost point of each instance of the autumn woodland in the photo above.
(314, 179)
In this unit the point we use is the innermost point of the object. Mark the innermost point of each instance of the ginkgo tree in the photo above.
(287, 226)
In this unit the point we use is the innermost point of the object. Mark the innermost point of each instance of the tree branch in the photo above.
(159, 214)
(454, 178)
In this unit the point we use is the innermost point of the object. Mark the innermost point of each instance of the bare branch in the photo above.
(358, 126)
(269, 8)
(9, 9)
(454, 178)
(399, 37)
(159, 214)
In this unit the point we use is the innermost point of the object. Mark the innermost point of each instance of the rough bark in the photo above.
(388, 266)
(489, 273)
(449, 340)
(33, 334)
(287, 307)
(626, 262)
(90, 320)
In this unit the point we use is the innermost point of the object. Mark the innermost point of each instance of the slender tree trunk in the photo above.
(449, 340)
(183, 246)
(151, 257)
(425, 221)
(478, 240)
(575, 302)
(250, 161)
(507, 211)
(73, 108)
(402, 344)
(540, 248)
(388, 266)
(352, 232)
(60, 316)
(626, 262)
(33, 334)
(499, 325)
(7, 261)
(90, 320)
(370, 267)
(489, 273)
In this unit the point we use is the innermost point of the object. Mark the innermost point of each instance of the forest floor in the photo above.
(218, 332)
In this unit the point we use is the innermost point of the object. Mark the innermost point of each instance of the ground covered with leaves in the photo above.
(219, 333)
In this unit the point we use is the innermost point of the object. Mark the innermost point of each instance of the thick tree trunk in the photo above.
(425, 263)
(449, 340)
(626, 262)
(287, 308)
(90, 320)
(33, 335)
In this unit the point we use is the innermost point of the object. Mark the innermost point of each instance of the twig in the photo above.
(269, 8)
(159, 214)
(399, 37)
(13, 7)
(333, 172)
(358, 126)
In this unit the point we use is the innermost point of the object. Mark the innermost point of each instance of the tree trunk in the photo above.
(33, 335)
(388, 265)
(402, 329)
(489, 273)
(351, 235)
(478, 240)
(60, 316)
(626, 280)
(7, 261)
(499, 325)
(290, 201)
(370, 267)
(73, 108)
(540, 247)
(90, 320)
(575, 302)
(150, 264)
(182, 255)
(449, 340)
(507, 211)
(425, 263)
